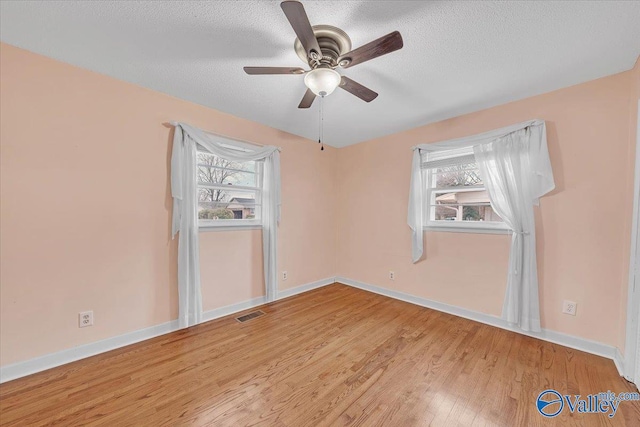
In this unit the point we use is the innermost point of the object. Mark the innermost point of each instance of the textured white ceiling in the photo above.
(458, 57)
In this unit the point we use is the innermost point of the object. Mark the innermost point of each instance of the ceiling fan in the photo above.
(325, 48)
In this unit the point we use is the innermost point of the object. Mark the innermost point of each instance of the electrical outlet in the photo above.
(392, 275)
(569, 307)
(285, 275)
(85, 318)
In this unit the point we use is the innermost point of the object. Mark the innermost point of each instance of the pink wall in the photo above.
(86, 207)
(633, 128)
(582, 226)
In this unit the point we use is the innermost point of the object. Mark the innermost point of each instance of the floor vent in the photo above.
(249, 316)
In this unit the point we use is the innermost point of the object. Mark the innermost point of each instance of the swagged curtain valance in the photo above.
(516, 170)
(185, 216)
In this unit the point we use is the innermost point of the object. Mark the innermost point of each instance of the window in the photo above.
(228, 192)
(456, 197)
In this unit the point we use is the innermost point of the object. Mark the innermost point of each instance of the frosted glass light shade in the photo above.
(322, 81)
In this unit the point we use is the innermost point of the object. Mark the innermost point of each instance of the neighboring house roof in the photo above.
(480, 196)
(243, 201)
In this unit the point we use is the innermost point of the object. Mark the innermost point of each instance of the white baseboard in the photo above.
(48, 361)
(51, 360)
(571, 341)
(618, 359)
(255, 302)
(304, 288)
(233, 308)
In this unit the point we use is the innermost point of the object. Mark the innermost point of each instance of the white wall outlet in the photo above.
(285, 275)
(569, 307)
(392, 275)
(85, 318)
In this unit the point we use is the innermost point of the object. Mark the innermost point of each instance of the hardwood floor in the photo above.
(333, 356)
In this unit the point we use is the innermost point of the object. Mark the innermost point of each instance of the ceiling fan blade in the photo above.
(307, 99)
(385, 44)
(298, 19)
(273, 70)
(357, 89)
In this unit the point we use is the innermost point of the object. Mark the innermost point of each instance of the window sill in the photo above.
(239, 227)
(478, 230)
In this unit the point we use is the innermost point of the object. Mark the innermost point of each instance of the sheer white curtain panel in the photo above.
(185, 219)
(508, 166)
(516, 170)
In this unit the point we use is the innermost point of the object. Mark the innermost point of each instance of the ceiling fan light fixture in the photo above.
(323, 48)
(322, 81)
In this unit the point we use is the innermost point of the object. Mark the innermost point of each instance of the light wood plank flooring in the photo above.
(333, 356)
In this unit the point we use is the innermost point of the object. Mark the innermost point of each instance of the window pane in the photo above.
(462, 205)
(216, 204)
(457, 176)
(215, 170)
(465, 213)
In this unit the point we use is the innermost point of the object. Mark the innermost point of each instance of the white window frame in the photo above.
(233, 224)
(483, 227)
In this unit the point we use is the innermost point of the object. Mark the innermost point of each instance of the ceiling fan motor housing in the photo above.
(330, 50)
(333, 43)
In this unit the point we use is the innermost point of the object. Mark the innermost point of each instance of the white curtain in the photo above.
(516, 170)
(185, 220)
(417, 191)
(416, 206)
(510, 170)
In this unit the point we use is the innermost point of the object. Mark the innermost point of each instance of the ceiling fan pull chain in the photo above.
(320, 121)
(321, 124)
